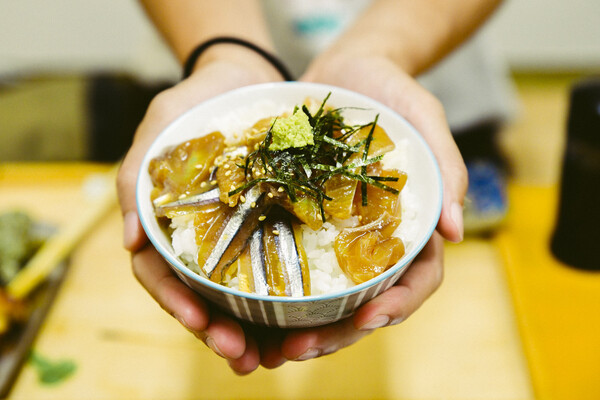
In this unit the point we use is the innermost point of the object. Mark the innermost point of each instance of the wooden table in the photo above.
(462, 344)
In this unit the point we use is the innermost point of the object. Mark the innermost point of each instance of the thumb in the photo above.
(134, 236)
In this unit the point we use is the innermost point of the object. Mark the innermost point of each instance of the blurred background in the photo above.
(96, 58)
(512, 321)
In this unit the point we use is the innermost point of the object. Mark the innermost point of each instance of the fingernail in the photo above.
(182, 322)
(396, 321)
(129, 229)
(310, 353)
(210, 342)
(456, 213)
(199, 334)
(378, 322)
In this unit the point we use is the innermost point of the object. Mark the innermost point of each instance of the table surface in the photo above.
(464, 343)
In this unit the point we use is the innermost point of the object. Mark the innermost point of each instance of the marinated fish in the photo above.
(369, 250)
(183, 170)
(231, 239)
(284, 256)
(252, 271)
(248, 201)
(274, 263)
(188, 204)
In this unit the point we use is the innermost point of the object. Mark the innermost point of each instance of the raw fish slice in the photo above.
(188, 204)
(209, 222)
(182, 170)
(233, 237)
(341, 189)
(380, 201)
(284, 256)
(369, 250)
(305, 208)
(381, 143)
(229, 175)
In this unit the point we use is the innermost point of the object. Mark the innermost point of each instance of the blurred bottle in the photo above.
(576, 239)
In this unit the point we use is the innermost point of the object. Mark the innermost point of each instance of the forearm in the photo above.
(415, 34)
(187, 23)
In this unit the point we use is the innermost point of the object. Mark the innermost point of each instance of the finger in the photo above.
(219, 332)
(249, 361)
(269, 341)
(169, 291)
(305, 344)
(427, 115)
(396, 304)
(225, 336)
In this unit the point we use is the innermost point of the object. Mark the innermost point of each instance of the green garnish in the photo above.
(293, 131)
(305, 165)
(51, 372)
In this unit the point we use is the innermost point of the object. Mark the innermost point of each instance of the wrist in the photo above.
(338, 59)
(244, 55)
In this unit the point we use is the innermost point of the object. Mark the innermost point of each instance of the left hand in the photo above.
(382, 80)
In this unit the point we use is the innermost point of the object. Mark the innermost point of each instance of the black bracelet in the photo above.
(197, 52)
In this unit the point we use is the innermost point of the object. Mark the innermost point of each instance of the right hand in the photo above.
(221, 333)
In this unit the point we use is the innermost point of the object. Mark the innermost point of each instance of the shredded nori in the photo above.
(306, 169)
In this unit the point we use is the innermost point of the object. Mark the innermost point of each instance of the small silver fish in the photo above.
(289, 258)
(234, 236)
(259, 274)
(209, 197)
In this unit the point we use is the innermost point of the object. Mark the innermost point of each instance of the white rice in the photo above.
(325, 274)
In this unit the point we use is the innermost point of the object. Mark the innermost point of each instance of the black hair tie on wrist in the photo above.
(271, 58)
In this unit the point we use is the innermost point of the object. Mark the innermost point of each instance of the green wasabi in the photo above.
(293, 131)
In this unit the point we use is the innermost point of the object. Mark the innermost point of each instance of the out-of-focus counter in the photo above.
(462, 344)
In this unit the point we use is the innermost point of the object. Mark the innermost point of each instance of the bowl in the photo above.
(239, 109)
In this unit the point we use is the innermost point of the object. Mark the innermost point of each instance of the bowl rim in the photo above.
(404, 262)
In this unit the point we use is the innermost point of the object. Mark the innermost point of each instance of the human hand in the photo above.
(382, 80)
(221, 333)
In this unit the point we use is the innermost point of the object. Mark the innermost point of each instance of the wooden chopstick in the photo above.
(59, 246)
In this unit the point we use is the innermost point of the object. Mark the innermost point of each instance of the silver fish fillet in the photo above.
(289, 258)
(209, 197)
(257, 261)
(234, 236)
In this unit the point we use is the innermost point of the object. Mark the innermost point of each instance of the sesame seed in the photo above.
(226, 166)
(270, 195)
(242, 199)
(199, 166)
(253, 204)
(203, 184)
(227, 173)
(280, 189)
(262, 218)
(181, 196)
(275, 232)
(213, 182)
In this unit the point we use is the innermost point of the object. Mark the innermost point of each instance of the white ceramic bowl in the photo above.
(239, 109)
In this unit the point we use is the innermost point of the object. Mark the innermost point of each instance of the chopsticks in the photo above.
(59, 246)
